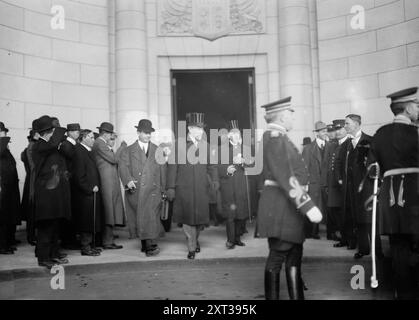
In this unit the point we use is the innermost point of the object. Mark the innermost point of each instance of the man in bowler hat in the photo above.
(110, 188)
(144, 181)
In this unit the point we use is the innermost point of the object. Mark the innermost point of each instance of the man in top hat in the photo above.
(51, 192)
(331, 182)
(234, 188)
(395, 147)
(187, 182)
(10, 210)
(67, 148)
(110, 188)
(144, 181)
(313, 155)
(284, 202)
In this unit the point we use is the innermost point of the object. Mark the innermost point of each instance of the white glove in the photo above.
(231, 169)
(131, 185)
(314, 215)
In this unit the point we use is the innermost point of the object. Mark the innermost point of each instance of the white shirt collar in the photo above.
(195, 142)
(71, 140)
(143, 145)
(401, 118)
(320, 142)
(87, 147)
(42, 138)
(342, 140)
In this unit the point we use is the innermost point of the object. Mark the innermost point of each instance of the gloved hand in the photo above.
(171, 194)
(231, 169)
(314, 215)
(95, 189)
(131, 185)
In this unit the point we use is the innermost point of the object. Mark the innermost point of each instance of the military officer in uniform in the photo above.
(188, 184)
(395, 147)
(234, 188)
(284, 202)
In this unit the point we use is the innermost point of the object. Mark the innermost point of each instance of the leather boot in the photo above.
(295, 283)
(271, 285)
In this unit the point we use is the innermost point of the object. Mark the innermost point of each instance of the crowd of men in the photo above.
(72, 197)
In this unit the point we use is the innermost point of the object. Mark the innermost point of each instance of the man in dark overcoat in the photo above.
(52, 192)
(110, 185)
(314, 155)
(144, 180)
(284, 202)
(395, 147)
(10, 209)
(188, 184)
(87, 203)
(234, 188)
(67, 148)
(352, 169)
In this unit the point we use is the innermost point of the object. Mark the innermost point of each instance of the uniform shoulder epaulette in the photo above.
(277, 133)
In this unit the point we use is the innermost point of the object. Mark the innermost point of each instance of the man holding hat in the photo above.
(51, 192)
(284, 202)
(395, 147)
(188, 183)
(110, 187)
(313, 155)
(144, 181)
(67, 148)
(10, 210)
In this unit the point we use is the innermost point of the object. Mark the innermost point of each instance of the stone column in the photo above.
(295, 65)
(315, 59)
(131, 67)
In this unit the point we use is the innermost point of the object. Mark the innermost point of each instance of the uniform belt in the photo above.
(398, 172)
(272, 183)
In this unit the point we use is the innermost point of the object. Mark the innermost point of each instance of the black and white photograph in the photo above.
(208, 155)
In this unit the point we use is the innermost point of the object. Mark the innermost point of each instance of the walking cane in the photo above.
(248, 197)
(374, 281)
(94, 219)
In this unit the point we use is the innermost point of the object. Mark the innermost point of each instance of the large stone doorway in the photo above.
(221, 94)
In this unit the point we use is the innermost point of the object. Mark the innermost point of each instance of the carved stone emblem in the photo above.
(210, 19)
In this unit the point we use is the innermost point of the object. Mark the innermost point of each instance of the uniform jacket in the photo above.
(110, 185)
(395, 146)
(330, 176)
(146, 201)
(190, 181)
(10, 210)
(351, 166)
(85, 177)
(316, 164)
(234, 193)
(52, 187)
(282, 208)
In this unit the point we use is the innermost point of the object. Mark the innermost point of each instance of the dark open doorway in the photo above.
(221, 94)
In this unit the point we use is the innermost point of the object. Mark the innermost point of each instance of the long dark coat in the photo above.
(316, 164)
(352, 169)
(146, 201)
(52, 187)
(330, 176)
(191, 205)
(234, 193)
(110, 186)
(282, 208)
(10, 209)
(26, 211)
(396, 146)
(85, 178)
